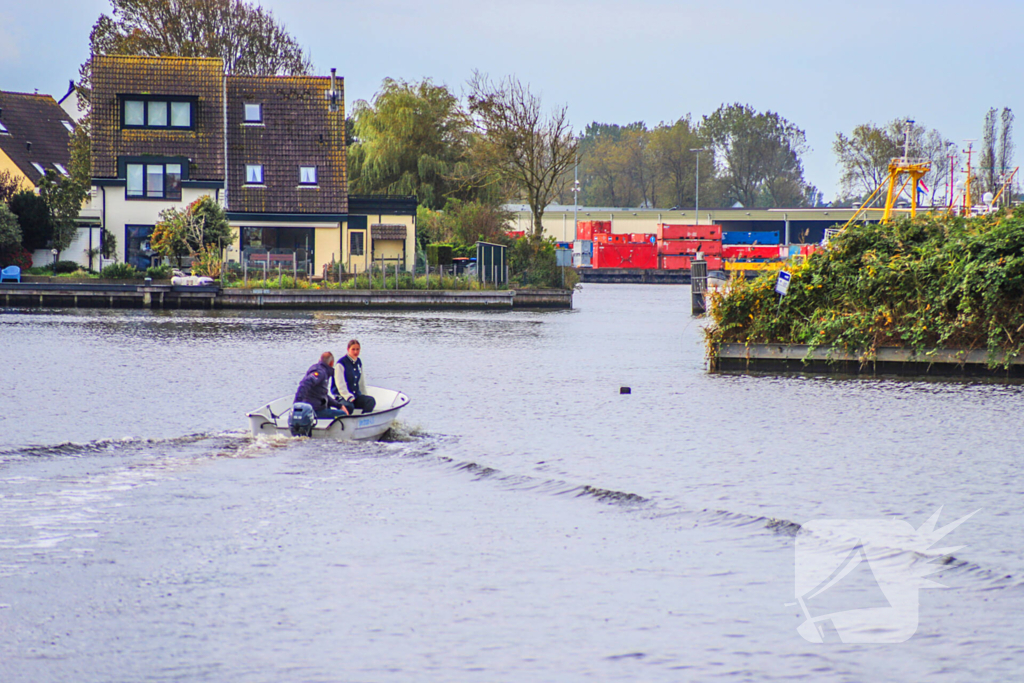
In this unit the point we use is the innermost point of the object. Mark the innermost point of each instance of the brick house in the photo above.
(271, 149)
(34, 136)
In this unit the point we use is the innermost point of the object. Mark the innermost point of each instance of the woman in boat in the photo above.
(352, 372)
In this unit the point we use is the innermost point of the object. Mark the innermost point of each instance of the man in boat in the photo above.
(351, 371)
(315, 386)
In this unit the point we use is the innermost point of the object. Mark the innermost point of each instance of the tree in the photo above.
(671, 147)
(866, 154)
(987, 162)
(464, 223)
(520, 145)
(246, 37)
(602, 166)
(759, 155)
(414, 139)
(171, 234)
(214, 226)
(9, 186)
(34, 219)
(10, 231)
(200, 228)
(64, 198)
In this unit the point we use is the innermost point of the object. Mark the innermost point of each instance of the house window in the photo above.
(67, 124)
(153, 181)
(181, 114)
(254, 113)
(39, 167)
(307, 175)
(63, 171)
(157, 113)
(253, 174)
(355, 242)
(134, 113)
(3, 128)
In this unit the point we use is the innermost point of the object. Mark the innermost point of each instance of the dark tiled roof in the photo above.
(36, 119)
(387, 231)
(298, 129)
(188, 76)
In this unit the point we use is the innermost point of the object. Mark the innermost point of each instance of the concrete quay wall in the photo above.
(52, 295)
(798, 358)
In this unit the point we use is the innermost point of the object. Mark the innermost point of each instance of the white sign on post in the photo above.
(782, 284)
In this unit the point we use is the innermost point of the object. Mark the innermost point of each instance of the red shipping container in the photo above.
(682, 262)
(689, 232)
(753, 251)
(608, 238)
(641, 238)
(516, 234)
(640, 255)
(690, 247)
(624, 255)
(588, 229)
(606, 256)
(674, 262)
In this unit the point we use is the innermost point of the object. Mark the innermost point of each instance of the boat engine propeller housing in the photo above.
(302, 420)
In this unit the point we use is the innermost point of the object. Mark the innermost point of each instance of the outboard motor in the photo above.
(302, 420)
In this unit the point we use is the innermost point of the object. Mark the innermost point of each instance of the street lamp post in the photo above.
(696, 200)
(575, 200)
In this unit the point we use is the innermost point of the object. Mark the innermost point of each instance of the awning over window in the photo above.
(387, 231)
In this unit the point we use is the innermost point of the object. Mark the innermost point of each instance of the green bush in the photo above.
(439, 254)
(62, 267)
(121, 271)
(159, 272)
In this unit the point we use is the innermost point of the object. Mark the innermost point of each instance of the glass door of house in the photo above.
(137, 249)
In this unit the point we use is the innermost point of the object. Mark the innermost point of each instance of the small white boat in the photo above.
(272, 418)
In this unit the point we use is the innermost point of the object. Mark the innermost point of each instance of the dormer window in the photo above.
(155, 112)
(3, 128)
(253, 174)
(63, 171)
(307, 175)
(39, 167)
(253, 113)
(67, 124)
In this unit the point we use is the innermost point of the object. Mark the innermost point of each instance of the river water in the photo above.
(526, 521)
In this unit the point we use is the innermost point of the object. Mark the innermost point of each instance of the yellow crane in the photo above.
(905, 169)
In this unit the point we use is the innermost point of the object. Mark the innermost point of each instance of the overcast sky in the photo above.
(823, 66)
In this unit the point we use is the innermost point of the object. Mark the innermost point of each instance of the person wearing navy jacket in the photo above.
(315, 389)
(352, 371)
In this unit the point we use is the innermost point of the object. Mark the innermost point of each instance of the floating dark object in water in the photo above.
(625, 390)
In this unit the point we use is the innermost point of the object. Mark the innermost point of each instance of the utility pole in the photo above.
(575, 199)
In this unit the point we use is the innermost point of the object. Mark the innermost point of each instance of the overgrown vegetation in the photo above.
(932, 282)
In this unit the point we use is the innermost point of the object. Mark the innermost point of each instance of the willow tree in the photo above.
(530, 151)
(413, 139)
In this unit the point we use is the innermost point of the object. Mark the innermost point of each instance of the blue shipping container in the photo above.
(738, 237)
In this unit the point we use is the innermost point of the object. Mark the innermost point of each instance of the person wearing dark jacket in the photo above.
(351, 369)
(315, 389)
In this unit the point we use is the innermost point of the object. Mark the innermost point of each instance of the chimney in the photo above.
(28, 146)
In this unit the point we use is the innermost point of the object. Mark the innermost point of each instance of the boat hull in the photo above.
(272, 419)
